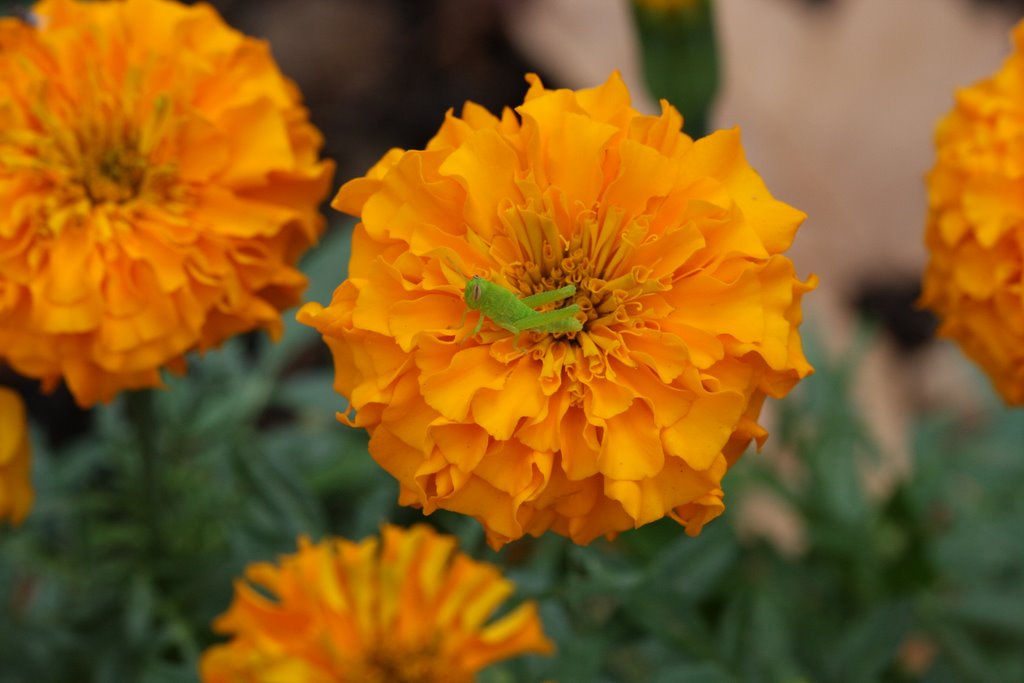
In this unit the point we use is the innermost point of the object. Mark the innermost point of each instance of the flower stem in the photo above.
(140, 410)
(680, 55)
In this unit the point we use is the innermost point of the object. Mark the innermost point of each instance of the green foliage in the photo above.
(142, 525)
(680, 59)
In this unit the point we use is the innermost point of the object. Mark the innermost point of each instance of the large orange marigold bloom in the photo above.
(159, 179)
(689, 315)
(406, 608)
(15, 486)
(975, 276)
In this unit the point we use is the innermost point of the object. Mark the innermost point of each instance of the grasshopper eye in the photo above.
(475, 290)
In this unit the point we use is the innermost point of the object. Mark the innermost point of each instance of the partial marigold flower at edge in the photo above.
(405, 608)
(975, 226)
(16, 493)
(159, 179)
(689, 312)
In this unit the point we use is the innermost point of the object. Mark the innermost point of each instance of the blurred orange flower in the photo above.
(159, 179)
(975, 233)
(15, 485)
(407, 608)
(689, 313)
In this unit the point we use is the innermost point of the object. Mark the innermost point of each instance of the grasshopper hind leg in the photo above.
(558, 320)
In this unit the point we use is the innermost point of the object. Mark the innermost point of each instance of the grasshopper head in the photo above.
(474, 292)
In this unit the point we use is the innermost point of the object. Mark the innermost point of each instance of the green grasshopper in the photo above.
(518, 315)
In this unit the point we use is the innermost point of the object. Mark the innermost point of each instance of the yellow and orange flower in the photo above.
(974, 280)
(15, 485)
(159, 179)
(406, 608)
(689, 312)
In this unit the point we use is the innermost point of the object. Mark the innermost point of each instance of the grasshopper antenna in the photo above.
(445, 255)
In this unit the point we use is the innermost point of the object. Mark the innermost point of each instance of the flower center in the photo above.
(114, 174)
(388, 663)
(90, 162)
(594, 260)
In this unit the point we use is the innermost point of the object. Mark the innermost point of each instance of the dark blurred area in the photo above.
(55, 412)
(892, 306)
(381, 74)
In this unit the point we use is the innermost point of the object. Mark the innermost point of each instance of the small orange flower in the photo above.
(689, 314)
(408, 608)
(159, 179)
(15, 486)
(975, 232)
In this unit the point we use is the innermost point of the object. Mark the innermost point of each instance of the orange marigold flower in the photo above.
(689, 315)
(975, 230)
(159, 179)
(15, 486)
(407, 608)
